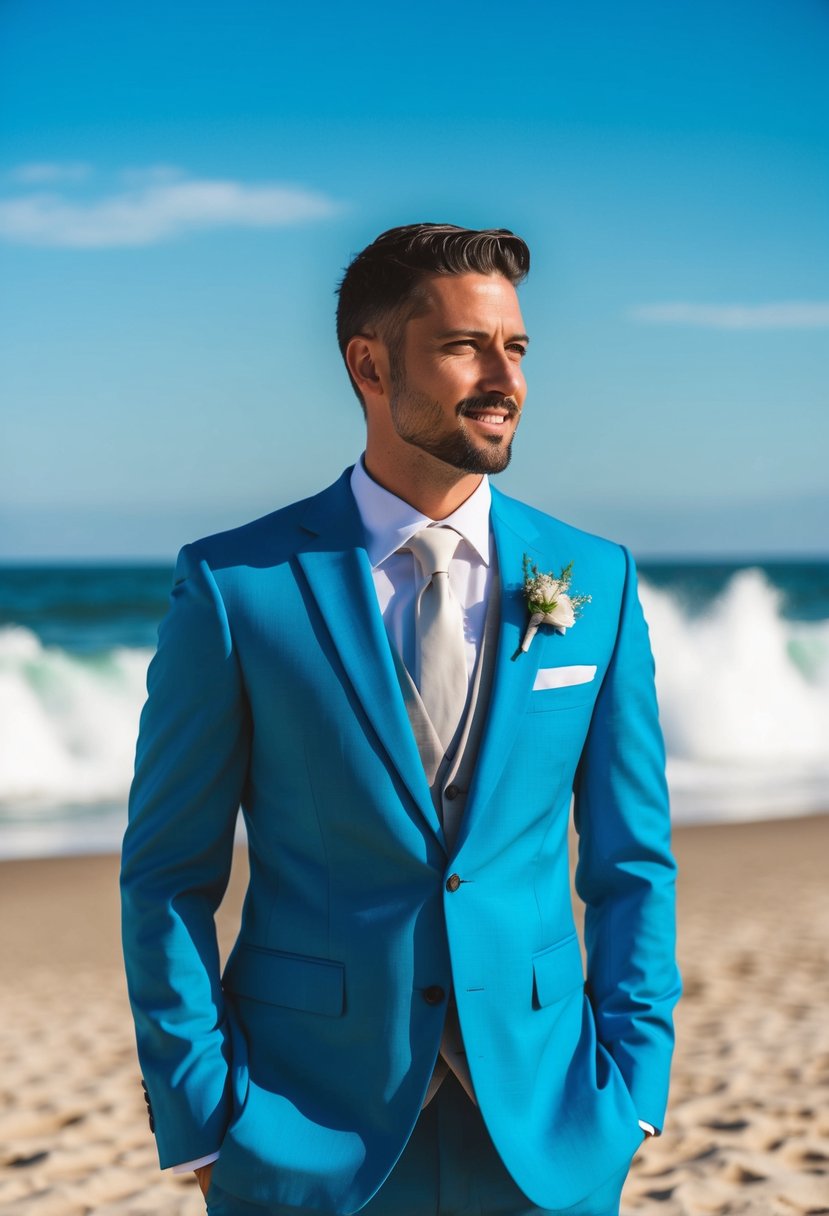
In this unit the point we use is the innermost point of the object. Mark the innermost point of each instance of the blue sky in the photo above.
(181, 185)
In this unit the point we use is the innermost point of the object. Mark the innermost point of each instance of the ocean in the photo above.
(742, 658)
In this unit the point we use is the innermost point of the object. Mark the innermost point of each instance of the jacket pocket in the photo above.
(295, 981)
(577, 696)
(557, 970)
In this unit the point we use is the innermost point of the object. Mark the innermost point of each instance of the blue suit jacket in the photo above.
(306, 1063)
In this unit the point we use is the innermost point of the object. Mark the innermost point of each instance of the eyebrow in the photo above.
(478, 333)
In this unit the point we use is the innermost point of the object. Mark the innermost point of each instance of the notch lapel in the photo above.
(515, 671)
(338, 571)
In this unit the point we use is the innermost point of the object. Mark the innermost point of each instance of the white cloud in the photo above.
(48, 173)
(786, 314)
(151, 175)
(152, 206)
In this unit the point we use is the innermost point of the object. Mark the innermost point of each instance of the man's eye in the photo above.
(518, 348)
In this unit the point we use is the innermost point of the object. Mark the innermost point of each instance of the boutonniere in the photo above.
(549, 600)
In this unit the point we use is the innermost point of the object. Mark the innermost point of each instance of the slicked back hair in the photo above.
(380, 290)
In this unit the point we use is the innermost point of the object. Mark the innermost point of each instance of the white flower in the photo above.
(546, 590)
(549, 601)
(563, 615)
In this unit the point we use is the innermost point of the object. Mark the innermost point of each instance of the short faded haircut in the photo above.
(380, 290)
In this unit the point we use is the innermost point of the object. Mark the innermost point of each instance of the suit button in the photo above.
(433, 995)
(451, 792)
(149, 1106)
(453, 882)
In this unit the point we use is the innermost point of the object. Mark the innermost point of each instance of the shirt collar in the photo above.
(389, 521)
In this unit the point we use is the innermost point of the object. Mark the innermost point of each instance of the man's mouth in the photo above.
(489, 414)
(490, 419)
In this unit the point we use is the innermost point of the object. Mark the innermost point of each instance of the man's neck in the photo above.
(433, 495)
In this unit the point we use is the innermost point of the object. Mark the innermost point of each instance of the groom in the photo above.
(405, 1024)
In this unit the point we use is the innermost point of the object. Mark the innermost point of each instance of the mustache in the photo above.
(488, 401)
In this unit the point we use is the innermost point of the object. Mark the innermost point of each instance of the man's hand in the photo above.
(203, 1177)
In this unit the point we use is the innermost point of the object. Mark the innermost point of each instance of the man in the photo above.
(404, 1025)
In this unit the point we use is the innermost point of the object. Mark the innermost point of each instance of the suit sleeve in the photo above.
(626, 872)
(191, 763)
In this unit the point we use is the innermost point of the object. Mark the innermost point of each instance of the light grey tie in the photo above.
(441, 673)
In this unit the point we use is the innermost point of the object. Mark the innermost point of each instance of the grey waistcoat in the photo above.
(449, 778)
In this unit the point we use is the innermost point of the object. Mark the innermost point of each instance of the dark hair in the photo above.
(380, 288)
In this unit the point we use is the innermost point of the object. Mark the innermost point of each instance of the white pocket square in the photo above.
(562, 677)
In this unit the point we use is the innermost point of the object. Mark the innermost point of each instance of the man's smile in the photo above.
(489, 417)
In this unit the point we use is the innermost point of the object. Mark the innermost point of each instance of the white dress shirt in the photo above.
(389, 523)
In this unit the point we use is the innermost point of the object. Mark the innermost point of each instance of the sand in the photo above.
(748, 1124)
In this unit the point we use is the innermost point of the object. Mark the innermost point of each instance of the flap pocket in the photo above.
(557, 971)
(315, 985)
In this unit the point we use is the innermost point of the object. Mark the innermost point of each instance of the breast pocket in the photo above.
(575, 696)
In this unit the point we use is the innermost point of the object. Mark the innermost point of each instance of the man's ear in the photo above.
(367, 362)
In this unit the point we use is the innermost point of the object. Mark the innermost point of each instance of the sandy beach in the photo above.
(748, 1125)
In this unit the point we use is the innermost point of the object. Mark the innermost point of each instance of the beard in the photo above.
(420, 421)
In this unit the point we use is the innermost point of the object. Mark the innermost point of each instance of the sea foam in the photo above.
(68, 722)
(744, 702)
(743, 693)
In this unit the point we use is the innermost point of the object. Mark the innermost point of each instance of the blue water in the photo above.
(742, 653)
(94, 608)
(85, 609)
(803, 585)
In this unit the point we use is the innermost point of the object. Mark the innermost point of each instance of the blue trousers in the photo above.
(448, 1168)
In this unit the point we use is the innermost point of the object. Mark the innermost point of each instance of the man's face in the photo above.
(457, 387)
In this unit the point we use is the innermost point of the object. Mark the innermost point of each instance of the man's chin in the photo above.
(494, 463)
(491, 456)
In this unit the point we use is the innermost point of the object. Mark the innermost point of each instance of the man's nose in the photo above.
(501, 374)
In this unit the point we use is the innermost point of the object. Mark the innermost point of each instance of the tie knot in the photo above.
(434, 548)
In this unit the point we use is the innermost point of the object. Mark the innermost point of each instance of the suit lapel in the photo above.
(337, 568)
(515, 671)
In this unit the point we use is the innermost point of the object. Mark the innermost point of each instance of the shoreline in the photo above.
(747, 1126)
